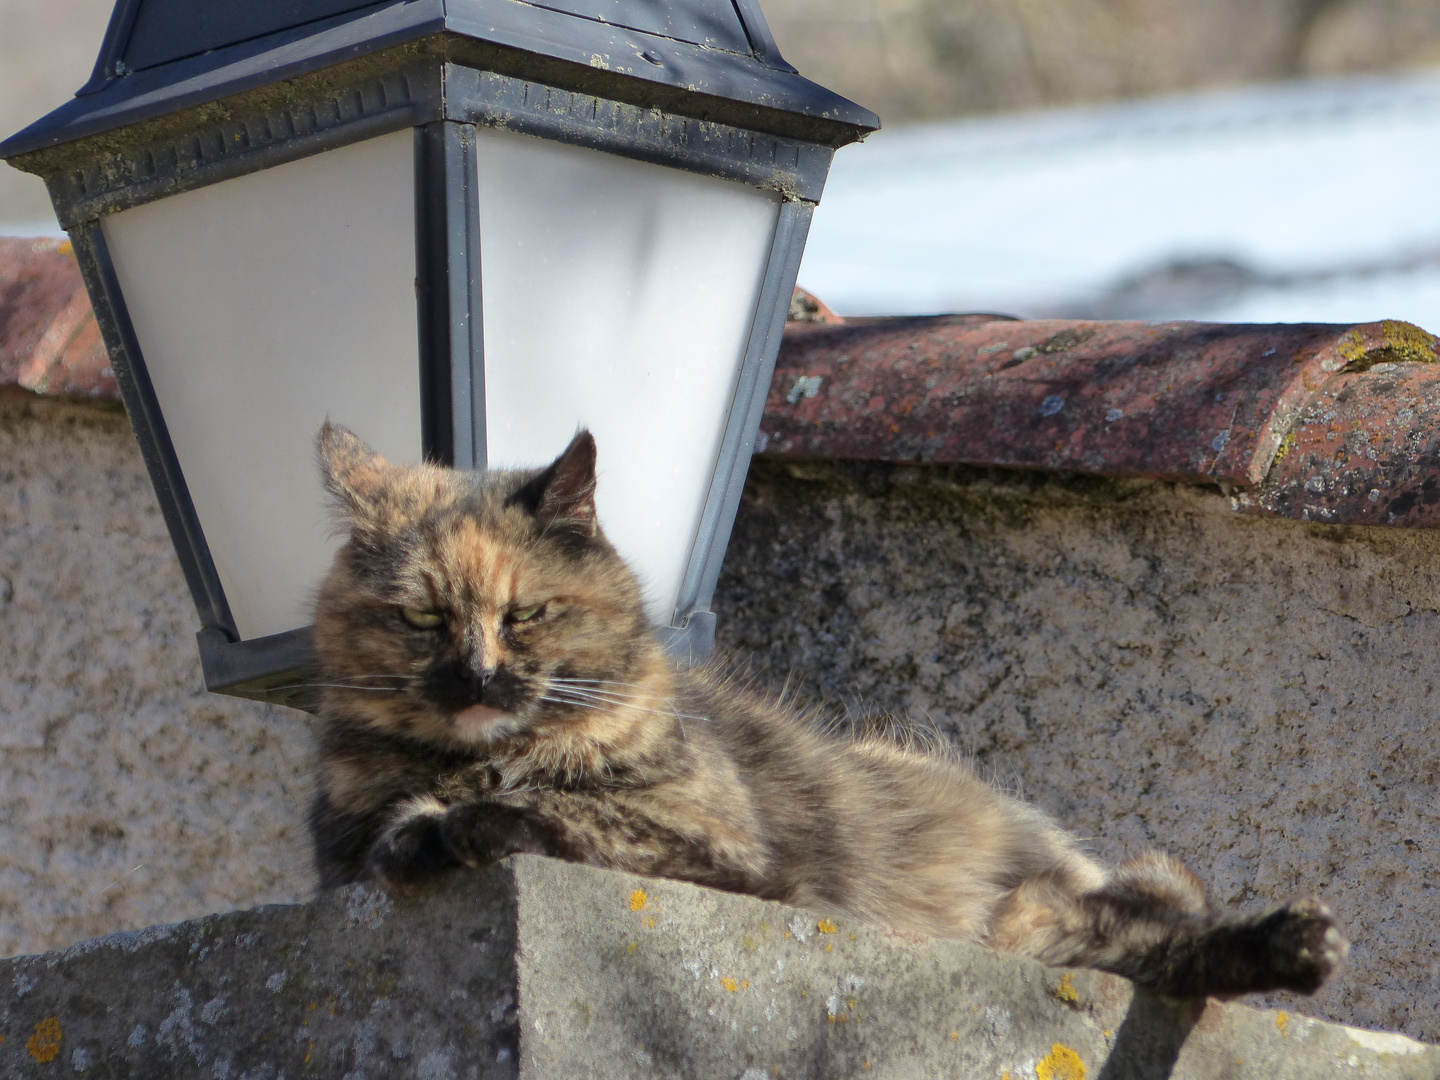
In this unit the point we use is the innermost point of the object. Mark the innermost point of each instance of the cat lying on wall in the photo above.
(491, 684)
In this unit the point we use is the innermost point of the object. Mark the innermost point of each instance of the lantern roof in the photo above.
(714, 58)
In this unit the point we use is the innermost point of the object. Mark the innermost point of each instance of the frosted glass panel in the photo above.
(618, 296)
(263, 305)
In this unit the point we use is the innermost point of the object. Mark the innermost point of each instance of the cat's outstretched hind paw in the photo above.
(1303, 945)
(1295, 947)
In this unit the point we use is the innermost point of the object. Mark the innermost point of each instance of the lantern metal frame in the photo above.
(132, 138)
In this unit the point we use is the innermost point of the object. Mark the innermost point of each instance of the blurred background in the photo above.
(1265, 160)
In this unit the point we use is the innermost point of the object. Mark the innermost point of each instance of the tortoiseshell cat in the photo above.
(492, 685)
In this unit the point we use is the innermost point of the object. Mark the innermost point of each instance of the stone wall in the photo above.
(1254, 695)
(130, 795)
(544, 970)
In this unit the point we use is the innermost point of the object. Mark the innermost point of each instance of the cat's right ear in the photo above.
(353, 473)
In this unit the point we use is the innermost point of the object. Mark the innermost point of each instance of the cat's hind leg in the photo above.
(1152, 923)
(1294, 947)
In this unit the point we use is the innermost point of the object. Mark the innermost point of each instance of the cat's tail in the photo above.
(1152, 923)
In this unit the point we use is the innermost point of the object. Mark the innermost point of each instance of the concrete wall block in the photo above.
(1253, 696)
(542, 969)
(131, 796)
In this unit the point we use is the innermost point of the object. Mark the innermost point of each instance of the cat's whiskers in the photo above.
(569, 687)
(591, 689)
(595, 682)
(604, 704)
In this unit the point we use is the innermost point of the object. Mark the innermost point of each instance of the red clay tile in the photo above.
(1364, 450)
(49, 341)
(1196, 402)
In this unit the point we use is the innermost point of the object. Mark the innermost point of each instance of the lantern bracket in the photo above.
(278, 668)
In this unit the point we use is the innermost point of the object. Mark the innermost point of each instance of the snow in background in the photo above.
(1296, 202)
(47, 226)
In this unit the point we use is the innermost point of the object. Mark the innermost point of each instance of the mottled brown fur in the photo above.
(491, 685)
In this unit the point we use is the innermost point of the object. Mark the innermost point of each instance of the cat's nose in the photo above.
(480, 678)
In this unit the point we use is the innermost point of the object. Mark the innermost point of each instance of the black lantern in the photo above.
(460, 227)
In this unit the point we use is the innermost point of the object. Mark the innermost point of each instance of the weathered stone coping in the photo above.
(537, 968)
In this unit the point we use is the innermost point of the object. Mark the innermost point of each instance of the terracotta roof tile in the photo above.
(49, 341)
(1365, 449)
(1193, 402)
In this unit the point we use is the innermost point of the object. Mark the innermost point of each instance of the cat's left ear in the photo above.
(564, 494)
(353, 473)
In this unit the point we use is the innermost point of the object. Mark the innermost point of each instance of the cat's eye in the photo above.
(422, 618)
(527, 614)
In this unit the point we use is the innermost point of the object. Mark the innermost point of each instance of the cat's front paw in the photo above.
(1304, 945)
(478, 834)
(409, 854)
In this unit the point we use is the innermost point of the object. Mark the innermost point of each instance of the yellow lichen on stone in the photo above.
(1351, 346)
(730, 984)
(825, 926)
(1066, 990)
(954, 1036)
(631, 948)
(638, 900)
(1286, 445)
(45, 1043)
(1409, 342)
(1061, 1063)
(1282, 1021)
(1400, 343)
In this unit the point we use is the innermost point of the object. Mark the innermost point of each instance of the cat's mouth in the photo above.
(484, 723)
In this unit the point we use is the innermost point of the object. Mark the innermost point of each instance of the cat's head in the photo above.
(475, 609)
